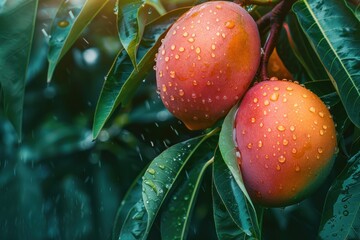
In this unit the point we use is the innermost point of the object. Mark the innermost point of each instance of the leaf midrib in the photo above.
(331, 47)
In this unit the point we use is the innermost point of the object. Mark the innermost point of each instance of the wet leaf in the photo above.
(133, 15)
(17, 24)
(341, 214)
(235, 201)
(135, 222)
(157, 182)
(334, 34)
(228, 150)
(123, 80)
(226, 228)
(71, 19)
(297, 54)
(130, 201)
(176, 218)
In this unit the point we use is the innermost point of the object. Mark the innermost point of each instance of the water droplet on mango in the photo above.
(230, 24)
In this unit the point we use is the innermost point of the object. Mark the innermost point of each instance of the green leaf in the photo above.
(297, 54)
(226, 228)
(158, 180)
(131, 198)
(341, 214)
(135, 222)
(175, 220)
(123, 80)
(17, 23)
(234, 199)
(334, 34)
(71, 19)
(132, 18)
(228, 150)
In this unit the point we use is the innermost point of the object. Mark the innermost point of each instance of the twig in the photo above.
(275, 19)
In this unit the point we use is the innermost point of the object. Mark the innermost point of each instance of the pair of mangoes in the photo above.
(284, 133)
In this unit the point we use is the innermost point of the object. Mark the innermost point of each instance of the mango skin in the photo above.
(287, 141)
(206, 62)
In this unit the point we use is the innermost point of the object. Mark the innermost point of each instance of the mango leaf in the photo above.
(17, 24)
(297, 54)
(234, 200)
(341, 214)
(130, 199)
(70, 20)
(334, 34)
(158, 180)
(132, 18)
(176, 218)
(228, 150)
(225, 226)
(123, 80)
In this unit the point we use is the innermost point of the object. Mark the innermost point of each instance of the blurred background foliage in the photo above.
(59, 183)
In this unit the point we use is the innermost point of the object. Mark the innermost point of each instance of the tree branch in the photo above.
(275, 19)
